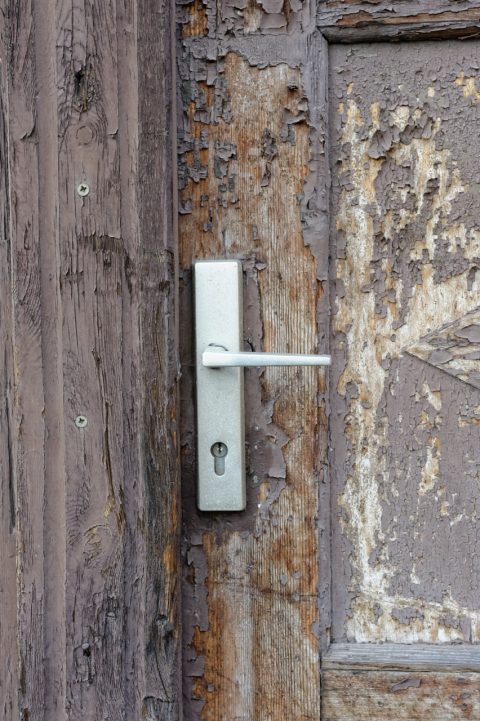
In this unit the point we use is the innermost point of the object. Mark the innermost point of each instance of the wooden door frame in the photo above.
(356, 21)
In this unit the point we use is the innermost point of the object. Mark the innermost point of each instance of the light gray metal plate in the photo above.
(220, 414)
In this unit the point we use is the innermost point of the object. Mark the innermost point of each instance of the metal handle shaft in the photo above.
(217, 357)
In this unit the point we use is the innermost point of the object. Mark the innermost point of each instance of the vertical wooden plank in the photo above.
(50, 329)
(95, 362)
(92, 276)
(158, 262)
(252, 168)
(8, 595)
(29, 434)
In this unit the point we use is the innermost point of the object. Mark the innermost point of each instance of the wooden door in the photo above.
(341, 168)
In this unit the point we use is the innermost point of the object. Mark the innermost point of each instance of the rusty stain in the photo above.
(196, 22)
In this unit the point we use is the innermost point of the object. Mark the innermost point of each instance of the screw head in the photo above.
(83, 189)
(81, 421)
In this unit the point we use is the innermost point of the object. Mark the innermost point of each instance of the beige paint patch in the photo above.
(469, 86)
(431, 469)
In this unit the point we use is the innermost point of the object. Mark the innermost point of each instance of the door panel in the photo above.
(405, 400)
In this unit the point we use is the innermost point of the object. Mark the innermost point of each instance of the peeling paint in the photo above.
(246, 160)
(405, 267)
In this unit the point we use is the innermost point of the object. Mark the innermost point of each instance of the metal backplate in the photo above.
(220, 417)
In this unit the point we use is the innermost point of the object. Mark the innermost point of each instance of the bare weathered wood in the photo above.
(398, 657)
(399, 696)
(357, 21)
(8, 591)
(29, 429)
(96, 515)
(157, 260)
(252, 160)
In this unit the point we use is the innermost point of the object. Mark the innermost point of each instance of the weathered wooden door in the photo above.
(343, 171)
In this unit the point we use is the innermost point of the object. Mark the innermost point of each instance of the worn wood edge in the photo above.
(399, 657)
(399, 32)
(318, 187)
(358, 23)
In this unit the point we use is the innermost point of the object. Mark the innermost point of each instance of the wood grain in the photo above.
(250, 596)
(94, 313)
(8, 595)
(357, 21)
(398, 657)
(399, 696)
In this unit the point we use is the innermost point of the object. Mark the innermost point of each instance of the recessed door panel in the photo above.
(405, 459)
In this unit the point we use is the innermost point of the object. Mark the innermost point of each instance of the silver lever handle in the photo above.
(219, 363)
(218, 357)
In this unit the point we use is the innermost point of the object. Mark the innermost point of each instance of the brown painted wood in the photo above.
(399, 696)
(391, 681)
(357, 21)
(96, 519)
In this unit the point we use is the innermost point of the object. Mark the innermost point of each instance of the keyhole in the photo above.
(219, 450)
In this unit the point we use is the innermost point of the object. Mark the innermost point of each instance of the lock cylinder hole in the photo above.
(219, 452)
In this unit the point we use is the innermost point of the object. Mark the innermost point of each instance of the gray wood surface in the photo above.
(92, 511)
(8, 668)
(396, 657)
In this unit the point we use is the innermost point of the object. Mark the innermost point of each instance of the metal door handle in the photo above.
(220, 402)
(218, 357)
